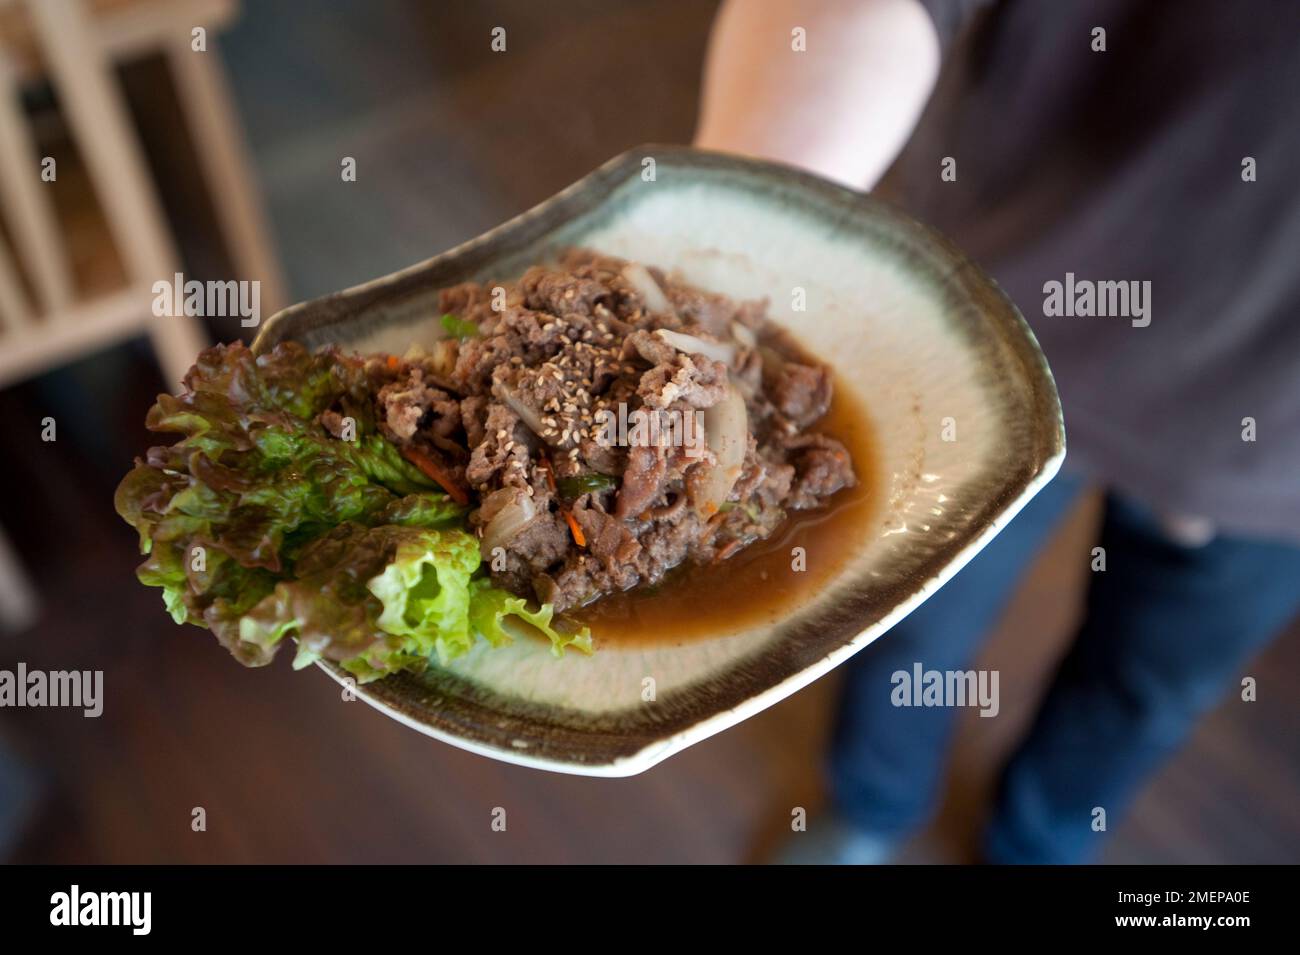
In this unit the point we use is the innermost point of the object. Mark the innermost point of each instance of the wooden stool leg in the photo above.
(15, 313)
(218, 139)
(98, 116)
(25, 201)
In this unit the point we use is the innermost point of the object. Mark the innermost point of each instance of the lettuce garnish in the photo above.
(259, 524)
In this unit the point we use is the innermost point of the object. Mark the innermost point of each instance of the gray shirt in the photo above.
(1170, 158)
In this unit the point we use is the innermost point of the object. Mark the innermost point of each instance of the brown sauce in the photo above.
(757, 585)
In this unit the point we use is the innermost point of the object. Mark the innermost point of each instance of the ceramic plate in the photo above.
(959, 400)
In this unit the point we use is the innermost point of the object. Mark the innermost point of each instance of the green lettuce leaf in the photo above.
(458, 327)
(331, 607)
(425, 591)
(490, 611)
(260, 524)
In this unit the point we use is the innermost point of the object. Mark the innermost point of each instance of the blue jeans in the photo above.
(1165, 633)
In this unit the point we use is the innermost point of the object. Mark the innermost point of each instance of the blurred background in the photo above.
(230, 166)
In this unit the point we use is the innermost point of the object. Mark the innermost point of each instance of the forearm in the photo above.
(844, 107)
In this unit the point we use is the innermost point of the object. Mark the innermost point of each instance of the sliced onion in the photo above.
(526, 414)
(744, 334)
(718, 351)
(726, 431)
(507, 523)
(445, 353)
(639, 277)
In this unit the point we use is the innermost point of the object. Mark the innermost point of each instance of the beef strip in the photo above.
(822, 466)
(802, 393)
(642, 480)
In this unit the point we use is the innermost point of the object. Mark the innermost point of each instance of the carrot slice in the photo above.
(394, 363)
(433, 469)
(545, 462)
(579, 538)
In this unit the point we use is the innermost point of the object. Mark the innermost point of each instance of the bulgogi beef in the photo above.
(609, 423)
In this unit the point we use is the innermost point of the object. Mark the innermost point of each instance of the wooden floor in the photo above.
(450, 139)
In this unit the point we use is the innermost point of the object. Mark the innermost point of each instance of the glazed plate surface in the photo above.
(963, 413)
